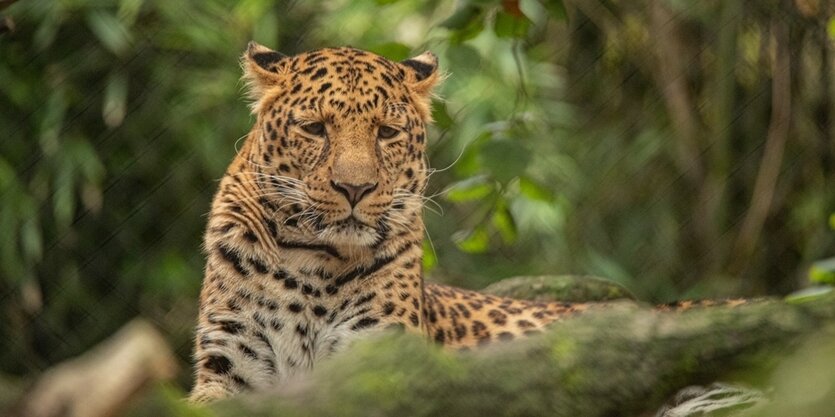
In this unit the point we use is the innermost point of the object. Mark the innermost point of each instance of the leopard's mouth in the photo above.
(349, 231)
(352, 226)
(353, 222)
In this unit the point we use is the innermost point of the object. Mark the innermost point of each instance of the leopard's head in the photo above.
(339, 144)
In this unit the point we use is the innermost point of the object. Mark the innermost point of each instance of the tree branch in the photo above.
(672, 82)
(101, 382)
(772, 159)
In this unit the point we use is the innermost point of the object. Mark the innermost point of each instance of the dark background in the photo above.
(681, 148)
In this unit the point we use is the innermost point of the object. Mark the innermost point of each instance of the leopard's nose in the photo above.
(353, 192)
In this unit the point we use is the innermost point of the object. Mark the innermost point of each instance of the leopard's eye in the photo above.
(315, 128)
(386, 132)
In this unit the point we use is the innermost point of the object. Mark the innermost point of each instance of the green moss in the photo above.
(568, 288)
(564, 349)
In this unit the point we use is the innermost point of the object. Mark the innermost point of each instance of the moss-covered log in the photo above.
(570, 288)
(618, 361)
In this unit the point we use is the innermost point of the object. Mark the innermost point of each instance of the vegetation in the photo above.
(681, 149)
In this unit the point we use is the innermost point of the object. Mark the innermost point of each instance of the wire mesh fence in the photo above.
(679, 148)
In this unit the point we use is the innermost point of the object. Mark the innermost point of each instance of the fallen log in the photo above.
(622, 360)
(102, 381)
(626, 359)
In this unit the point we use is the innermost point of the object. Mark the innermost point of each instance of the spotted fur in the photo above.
(315, 235)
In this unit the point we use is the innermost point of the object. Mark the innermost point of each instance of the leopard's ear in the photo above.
(421, 77)
(422, 72)
(262, 67)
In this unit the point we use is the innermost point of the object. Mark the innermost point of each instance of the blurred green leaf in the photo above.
(86, 160)
(430, 259)
(509, 26)
(10, 262)
(823, 272)
(15, 88)
(7, 179)
(469, 164)
(250, 11)
(534, 191)
(440, 115)
(115, 99)
(608, 267)
(471, 189)
(169, 274)
(48, 28)
(18, 226)
(832, 221)
(464, 16)
(474, 241)
(12, 265)
(466, 23)
(470, 31)
(464, 58)
(63, 198)
(394, 51)
(129, 11)
(556, 8)
(52, 121)
(266, 28)
(808, 294)
(505, 159)
(110, 31)
(76, 165)
(30, 239)
(504, 223)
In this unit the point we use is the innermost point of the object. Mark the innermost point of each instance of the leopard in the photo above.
(315, 234)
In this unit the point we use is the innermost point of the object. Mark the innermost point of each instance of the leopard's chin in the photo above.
(350, 232)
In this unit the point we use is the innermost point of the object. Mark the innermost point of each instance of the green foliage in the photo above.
(823, 271)
(111, 149)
